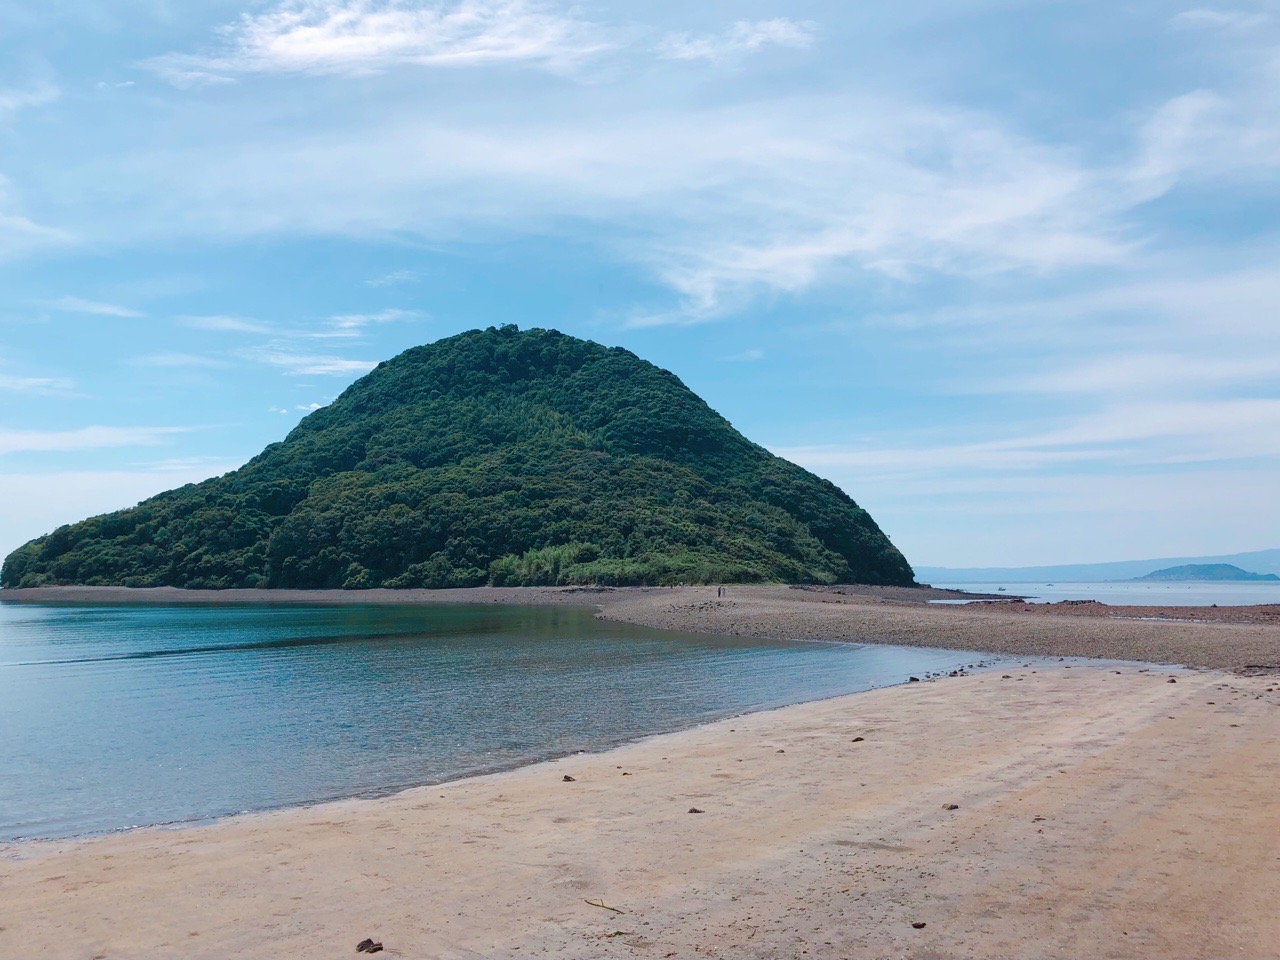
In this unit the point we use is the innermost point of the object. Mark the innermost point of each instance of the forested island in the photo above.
(492, 457)
(1205, 571)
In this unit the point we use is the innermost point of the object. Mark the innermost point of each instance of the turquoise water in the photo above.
(119, 716)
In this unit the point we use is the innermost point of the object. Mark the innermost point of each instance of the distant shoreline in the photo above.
(1242, 639)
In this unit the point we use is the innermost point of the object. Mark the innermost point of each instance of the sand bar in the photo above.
(1099, 814)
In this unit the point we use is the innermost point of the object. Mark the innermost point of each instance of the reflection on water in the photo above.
(115, 716)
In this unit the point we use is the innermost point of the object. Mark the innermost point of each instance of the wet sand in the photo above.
(1097, 814)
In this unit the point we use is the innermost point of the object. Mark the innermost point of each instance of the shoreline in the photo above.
(1237, 639)
(1099, 812)
(374, 795)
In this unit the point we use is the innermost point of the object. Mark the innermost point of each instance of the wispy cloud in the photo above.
(744, 37)
(309, 364)
(93, 307)
(369, 36)
(1219, 19)
(1123, 435)
(84, 438)
(14, 99)
(395, 278)
(1141, 374)
(353, 324)
(20, 234)
(722, 203)
(36, 385)
(178, 360)
(223, 324)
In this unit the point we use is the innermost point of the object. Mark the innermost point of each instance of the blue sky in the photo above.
(1006, 272)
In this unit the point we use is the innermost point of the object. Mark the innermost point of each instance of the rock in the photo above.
(376, 948)
(625, 774)
(782, 751)
(367, 945)
(1006, 677)
(951, 806)
(857, 739)
(568, 779)
(696, 810)
(1172, 680)
(913, 679)
(919, 925)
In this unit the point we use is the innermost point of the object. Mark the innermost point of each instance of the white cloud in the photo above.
(369, 36)
(747, 355)
(395, 278)
(19, 234)
(353, 324)
(221, 324)
(84, 438)
(1124, 435)
(178, 360)
(720, 202)
(37, 385)
(1205, 18)
(94, 307)
(744, 37)
(300, 364)
(1142, 374)
(12, 100)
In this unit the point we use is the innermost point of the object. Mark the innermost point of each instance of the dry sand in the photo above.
(1099, 814)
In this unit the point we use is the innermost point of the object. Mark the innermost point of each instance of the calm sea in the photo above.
(118, 716)
(1196, 593)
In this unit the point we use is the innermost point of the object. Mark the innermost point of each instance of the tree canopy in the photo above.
(492, 457)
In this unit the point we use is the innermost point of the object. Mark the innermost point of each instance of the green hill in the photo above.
(1205, 571)
(492, 457)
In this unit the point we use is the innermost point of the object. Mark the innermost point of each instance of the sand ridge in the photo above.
(1098, 814)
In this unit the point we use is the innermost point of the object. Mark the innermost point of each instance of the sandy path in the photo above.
(1100, 815)
(1228, 644)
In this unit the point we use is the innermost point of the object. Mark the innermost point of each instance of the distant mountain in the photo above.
(1263, 561)
(1205, 571)
(492, 457)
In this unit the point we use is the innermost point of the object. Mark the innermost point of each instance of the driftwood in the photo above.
(604, 906)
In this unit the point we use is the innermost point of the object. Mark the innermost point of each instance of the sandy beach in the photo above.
(1096, 814)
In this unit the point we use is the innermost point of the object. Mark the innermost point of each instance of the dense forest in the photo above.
(492, 457)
